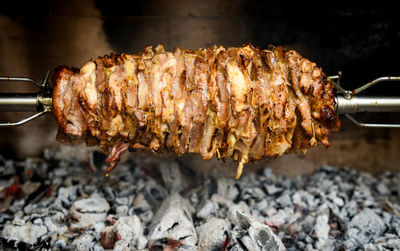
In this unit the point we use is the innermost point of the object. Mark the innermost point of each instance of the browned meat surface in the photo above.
(241, 102)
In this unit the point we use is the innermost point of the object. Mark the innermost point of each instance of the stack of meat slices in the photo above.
(243, 103)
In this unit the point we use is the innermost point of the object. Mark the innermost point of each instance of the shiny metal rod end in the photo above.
(367, 104)
(19, 102)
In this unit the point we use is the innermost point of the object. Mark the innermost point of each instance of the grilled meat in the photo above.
(241, 102)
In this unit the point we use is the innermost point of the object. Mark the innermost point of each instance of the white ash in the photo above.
(321, 230)
(24, 231)
(173, 220)
(130, 233)
(84, 242)
(62, 202)
(213, 233)
(85, 213)
(258, 236)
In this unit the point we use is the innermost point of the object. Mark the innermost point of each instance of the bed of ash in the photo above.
(64, 202)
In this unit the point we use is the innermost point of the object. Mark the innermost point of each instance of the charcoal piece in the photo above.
(122, 201)
(173, 220)
(141, 207)
(130, 232)
(350, 209)
(98, 247)
(396, 225)
(60, 244)
(393, 243)
(154, 193)
(226, 188)
(251, 192)
(260, 205)
(355, 238)
(296, 199)
(66, 195)
(83, 242)
(382, 189)
(258, 236)
(122, 210)
(206, 209)
(26, 232)
(85, 213)
(109, 194)
(17, 205)
(126, 189)
(332, 196)
(278, 219)
(272, 189)
(231, 208)
(363, 227)
(213, 233)
(284, 200)
(368, 222)
(172, 176)
(321, 230)
(30, 187)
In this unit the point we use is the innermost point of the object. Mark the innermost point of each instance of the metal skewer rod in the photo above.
(19, 102)
(40, 102)
(346, 104)
(367, 104)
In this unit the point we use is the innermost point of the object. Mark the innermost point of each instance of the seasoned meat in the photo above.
(243, 103)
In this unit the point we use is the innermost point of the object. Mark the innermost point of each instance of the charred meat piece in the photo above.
(243, 103)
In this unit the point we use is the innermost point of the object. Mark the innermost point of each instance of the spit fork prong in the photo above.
(350, 103)
(40, 102)
(43, 85)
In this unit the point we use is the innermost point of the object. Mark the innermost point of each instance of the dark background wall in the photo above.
(360, 39)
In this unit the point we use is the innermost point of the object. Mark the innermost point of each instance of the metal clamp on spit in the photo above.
(349, 103)
(40, 102)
